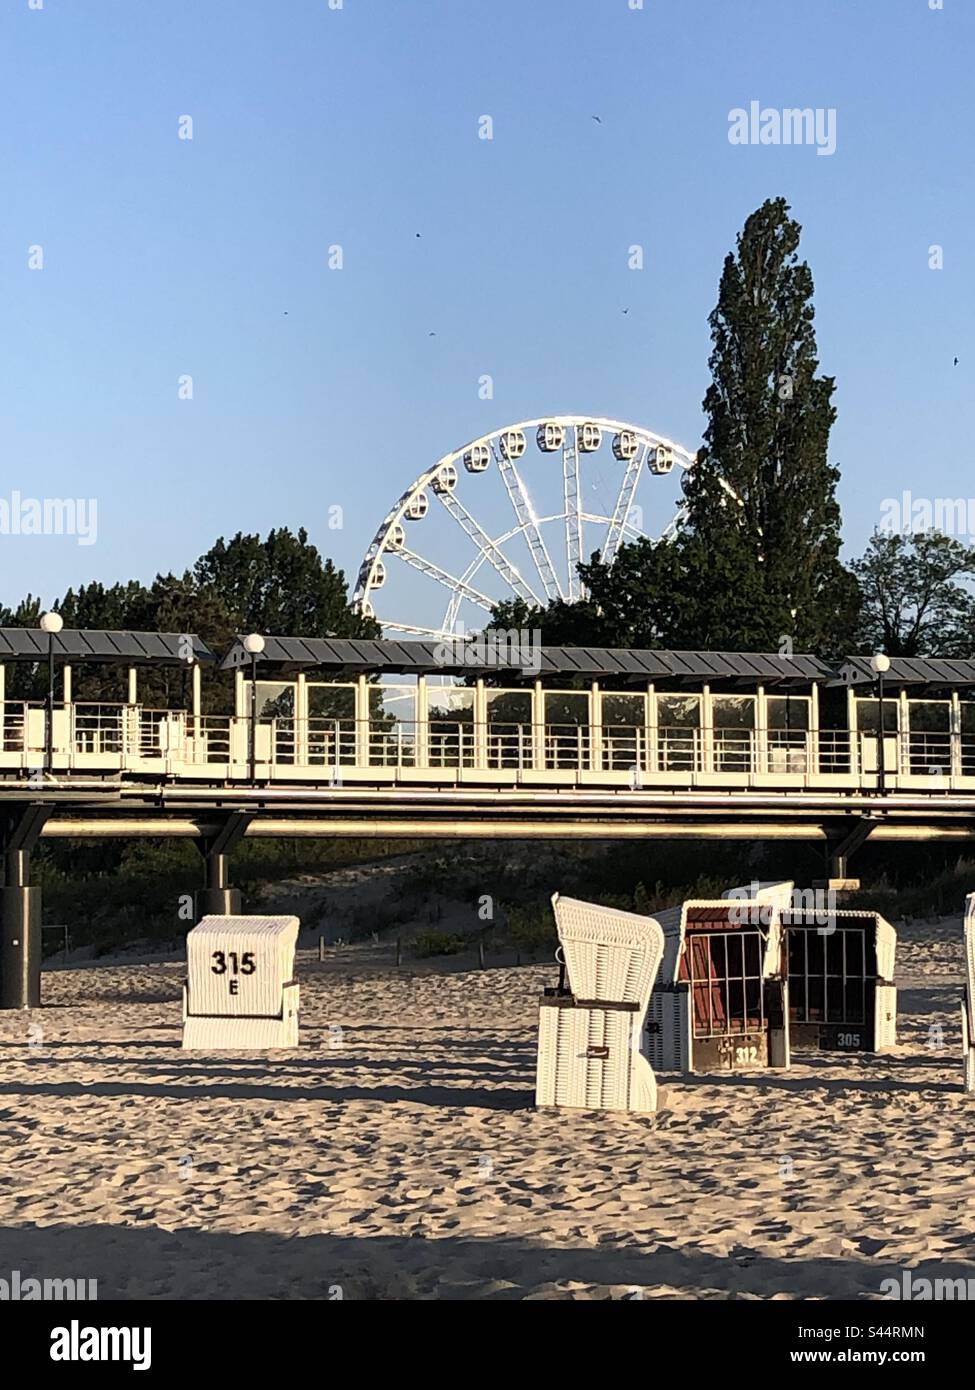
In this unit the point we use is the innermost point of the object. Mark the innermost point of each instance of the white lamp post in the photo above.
(51, 623)
(254, 644)
(880, 662)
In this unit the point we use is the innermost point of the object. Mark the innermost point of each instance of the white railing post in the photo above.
(707, 730)
(853, 730)
(595, 728)
(480, 725)
(652, 756)
(362, 722)
(302, 757)
(422, 726)
(538, 727)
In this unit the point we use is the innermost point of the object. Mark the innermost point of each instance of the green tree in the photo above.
(279, 586)
(916, 599)
(758, 556)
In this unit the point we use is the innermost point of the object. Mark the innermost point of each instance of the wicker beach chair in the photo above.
(592, 1041)
(240, 991)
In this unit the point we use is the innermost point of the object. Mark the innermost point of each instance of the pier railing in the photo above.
(139, 739)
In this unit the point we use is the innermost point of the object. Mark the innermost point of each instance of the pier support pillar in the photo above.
(20, 911)
(216, 897)
(840, 849)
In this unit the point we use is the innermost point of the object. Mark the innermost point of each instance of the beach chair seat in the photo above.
(240, 992)
(591, 1049)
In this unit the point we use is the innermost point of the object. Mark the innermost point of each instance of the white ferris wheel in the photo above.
(499, 519)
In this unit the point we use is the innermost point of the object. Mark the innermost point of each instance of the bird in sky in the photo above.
(956, 361)
(626, 311)
(598, 120)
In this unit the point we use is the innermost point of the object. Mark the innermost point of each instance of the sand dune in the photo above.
(396, 1154)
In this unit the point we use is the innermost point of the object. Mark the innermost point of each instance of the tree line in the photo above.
(280, 585)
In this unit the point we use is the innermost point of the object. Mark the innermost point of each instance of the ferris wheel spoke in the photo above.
(413, 631)
(449, 581)
(494, 556)
(572, 495)
(624, 502)
(528, 522)
(487, 575)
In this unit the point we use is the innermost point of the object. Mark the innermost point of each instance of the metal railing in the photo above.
(122, 730)
(121, 734)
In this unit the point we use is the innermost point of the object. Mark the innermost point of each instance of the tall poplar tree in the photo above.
(757, 560)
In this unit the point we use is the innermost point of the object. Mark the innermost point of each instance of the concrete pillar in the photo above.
(20, 932)
(196, 695)
(20, 910)
(216, 897)
(20, 946)
(133, 685)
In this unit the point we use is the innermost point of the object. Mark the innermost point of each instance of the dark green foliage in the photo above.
(914, 600)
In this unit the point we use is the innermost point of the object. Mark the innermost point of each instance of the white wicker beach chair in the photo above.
(968, 997)
(240, 992)
(592, 1043)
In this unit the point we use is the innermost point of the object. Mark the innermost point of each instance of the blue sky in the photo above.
(315, 388)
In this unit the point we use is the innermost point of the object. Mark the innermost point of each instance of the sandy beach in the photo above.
(397, 1154)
